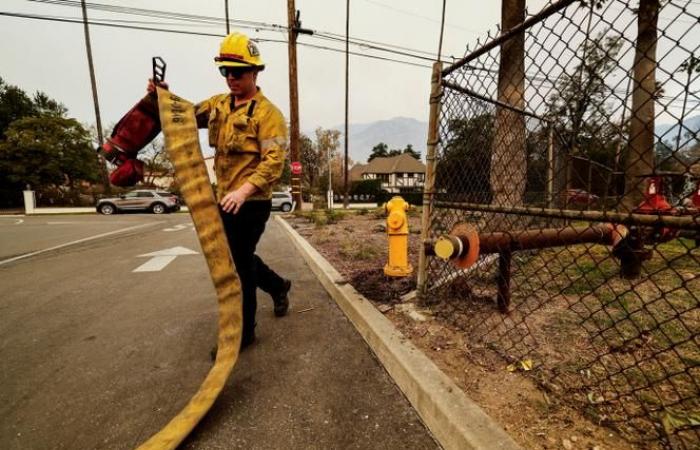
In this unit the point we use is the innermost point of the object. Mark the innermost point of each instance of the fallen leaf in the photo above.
(384, 308)
(672, 420)
(526, 364)
(595, 398)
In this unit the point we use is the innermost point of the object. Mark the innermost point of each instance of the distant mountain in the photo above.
(400, 131)
(395, 133)
(669, 132)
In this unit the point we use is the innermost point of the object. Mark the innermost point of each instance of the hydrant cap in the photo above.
(444, 248)
(395, 219)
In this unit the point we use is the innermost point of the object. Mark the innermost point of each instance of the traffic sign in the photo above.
(296, 168)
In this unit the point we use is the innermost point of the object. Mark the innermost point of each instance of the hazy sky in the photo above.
(50, 56)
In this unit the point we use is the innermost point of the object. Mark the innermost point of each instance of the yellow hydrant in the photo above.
(397, 231)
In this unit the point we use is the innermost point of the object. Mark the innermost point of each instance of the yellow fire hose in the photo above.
(182, 142)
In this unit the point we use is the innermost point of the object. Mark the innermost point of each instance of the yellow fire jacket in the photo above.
(250, 142)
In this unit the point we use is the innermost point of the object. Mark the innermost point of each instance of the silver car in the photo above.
(155, 201)
(282, 201)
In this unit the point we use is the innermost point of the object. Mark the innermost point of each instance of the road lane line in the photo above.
(79, 241)
(176, 227)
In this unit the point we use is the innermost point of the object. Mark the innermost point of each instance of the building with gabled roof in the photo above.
(401, 173)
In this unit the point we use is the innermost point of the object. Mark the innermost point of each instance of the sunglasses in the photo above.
(235, 72)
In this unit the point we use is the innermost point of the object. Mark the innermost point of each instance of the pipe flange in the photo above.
(470, 240)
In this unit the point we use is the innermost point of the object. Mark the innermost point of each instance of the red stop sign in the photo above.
(296, 168)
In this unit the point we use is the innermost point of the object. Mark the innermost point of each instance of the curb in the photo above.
(455, 421)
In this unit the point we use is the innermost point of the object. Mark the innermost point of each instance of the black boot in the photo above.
(281, 300)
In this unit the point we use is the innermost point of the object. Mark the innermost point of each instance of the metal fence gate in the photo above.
(561, 211)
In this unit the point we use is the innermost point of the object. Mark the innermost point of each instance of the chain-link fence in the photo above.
(562, 208)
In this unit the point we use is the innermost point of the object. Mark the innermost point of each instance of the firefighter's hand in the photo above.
(151, 88)
(233, 201)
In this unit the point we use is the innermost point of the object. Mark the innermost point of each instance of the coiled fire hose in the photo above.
(182, 143)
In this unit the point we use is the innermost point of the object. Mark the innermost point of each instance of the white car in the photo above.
(282, 201)
(157, 202)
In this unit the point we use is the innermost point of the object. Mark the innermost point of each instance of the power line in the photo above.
(198, 33)
(420, 16)
(248, 24)
(218, 35)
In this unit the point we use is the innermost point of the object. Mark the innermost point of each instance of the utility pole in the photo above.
(346, 198)
(330, 183)
(228, 25)
(98, 120)
(294, 25)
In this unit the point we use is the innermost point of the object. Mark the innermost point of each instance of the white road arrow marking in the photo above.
(162, 258)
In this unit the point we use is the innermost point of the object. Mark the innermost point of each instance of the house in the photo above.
(401, 173)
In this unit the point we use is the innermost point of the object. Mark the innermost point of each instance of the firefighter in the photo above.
(249, 135)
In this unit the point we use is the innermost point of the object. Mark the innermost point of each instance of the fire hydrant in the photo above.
(397, 232)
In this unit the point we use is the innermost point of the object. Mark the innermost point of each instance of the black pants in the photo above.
(243, 231)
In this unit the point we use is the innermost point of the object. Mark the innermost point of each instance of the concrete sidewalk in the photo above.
(310, 382)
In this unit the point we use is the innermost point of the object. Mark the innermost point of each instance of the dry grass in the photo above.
(625, 353)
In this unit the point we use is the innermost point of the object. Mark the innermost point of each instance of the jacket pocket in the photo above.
(214, 126)
(241, 136)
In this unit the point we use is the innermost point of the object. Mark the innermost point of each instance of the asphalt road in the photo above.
(95, 355)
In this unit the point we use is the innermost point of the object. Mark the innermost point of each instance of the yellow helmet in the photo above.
(238, 50)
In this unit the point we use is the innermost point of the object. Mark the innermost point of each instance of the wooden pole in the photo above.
(550, 166)
(429, 187)
(346, 199)
(228, 25)
(93, 82)
(293, 103)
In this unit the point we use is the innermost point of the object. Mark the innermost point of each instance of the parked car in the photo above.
(155, 201)
(282, 201)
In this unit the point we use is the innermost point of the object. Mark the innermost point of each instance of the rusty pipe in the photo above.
(548, 237)
(457, 244)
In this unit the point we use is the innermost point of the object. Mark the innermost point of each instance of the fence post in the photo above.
(550, 166)
(429, 186)
(29, 202)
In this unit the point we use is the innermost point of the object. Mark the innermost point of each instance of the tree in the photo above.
(156, 163)
(47, 150)
(366, 187)
(508, 156)
(639, 159)
(44, 105)
(579, 105)
(410, 151)
(380, 150)
(463, 172)
(310, 162)
(583, 121)
(327, 143)
(14, 104)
